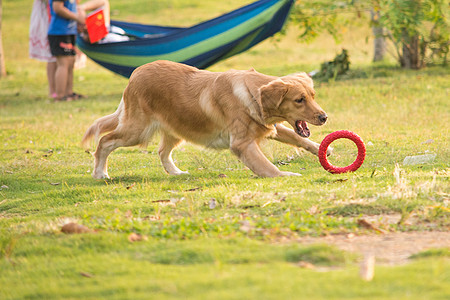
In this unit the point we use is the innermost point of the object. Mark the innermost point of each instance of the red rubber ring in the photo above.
(342, 134)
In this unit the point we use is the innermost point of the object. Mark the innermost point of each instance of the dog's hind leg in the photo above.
(123, 136)
(168, 143)
(106, 145)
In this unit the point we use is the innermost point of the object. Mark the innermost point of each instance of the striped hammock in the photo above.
(201, 45)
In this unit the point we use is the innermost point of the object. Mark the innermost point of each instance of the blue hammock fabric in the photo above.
(201, 45)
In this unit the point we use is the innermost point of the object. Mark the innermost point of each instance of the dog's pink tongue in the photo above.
(303, 129)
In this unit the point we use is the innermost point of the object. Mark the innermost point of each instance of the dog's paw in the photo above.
(283, 173)
(330, 151)
(179, 172)
(100, 175)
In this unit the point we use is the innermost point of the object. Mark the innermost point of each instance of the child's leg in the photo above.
(63, 64)
(63, 48)
(51, 70)
(69, 87)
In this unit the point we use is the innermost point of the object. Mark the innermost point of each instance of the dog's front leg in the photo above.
(288, 136)
(251, 155)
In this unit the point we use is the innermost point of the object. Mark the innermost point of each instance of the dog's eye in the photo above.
(300, 100)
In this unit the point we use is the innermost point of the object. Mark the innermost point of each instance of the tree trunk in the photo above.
(411, 58)
(379, 42)
(2, 56)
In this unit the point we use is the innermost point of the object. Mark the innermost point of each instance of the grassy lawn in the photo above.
(220, 232)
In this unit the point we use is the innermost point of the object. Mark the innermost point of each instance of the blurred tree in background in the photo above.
(418, 29)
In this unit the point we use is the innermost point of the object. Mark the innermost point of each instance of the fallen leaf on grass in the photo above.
(274, 201)
(152, 218)
(340, 180)
(71, 228)
(131, 186)
(84, 274)
(193, 189)
(250, 206)
(129, 214)
(313, 210)
(49, 153)
(161, 201)
(136, 237)
(366, 224)
(305, 265)
(167, 202)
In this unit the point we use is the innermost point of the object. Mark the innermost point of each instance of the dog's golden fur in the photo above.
(233, 109)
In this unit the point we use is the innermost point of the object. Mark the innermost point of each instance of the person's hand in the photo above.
(81, 28)
(81, 16)
(81, 23)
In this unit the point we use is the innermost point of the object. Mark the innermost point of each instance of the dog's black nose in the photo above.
(323, 118)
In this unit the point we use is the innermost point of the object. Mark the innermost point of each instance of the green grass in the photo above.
(247, 245)
(234, 269)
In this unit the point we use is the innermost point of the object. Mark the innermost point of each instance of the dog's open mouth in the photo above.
(302, 128)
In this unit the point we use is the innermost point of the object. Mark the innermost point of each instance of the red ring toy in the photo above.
(341, 134)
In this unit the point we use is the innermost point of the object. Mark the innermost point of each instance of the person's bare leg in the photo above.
(51, 71)
(61, 75)
(69, 87)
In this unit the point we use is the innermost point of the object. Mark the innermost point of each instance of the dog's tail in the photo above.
(105, 124)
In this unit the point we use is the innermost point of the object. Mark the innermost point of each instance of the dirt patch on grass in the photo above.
(390, 248)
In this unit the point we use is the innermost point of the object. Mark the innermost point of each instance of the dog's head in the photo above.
(291, 98)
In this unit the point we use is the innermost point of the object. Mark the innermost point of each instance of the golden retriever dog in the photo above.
(233, 109)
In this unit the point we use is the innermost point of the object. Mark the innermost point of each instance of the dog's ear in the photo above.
(272, 94)
(305, 78)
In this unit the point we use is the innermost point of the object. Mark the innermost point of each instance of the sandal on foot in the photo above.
(65, 98)
(76, 96)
